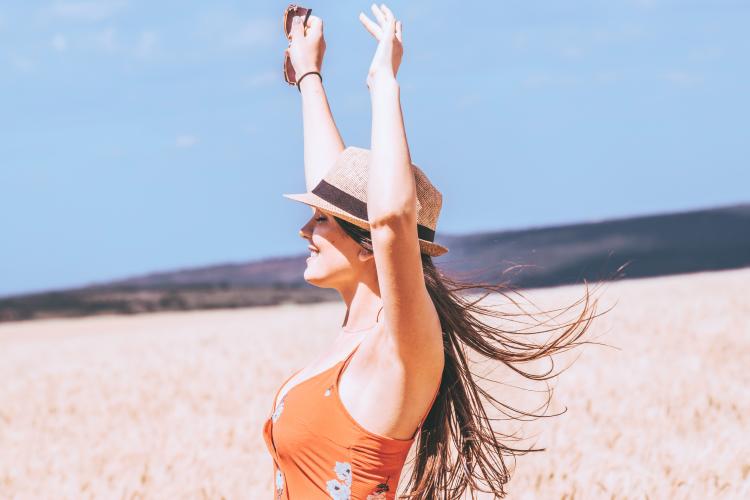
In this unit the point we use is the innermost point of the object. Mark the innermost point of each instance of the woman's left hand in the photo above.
(387, 32)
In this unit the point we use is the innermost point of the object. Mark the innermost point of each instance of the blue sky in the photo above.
(142, 136)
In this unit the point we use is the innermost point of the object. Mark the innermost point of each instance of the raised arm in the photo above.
(411, 319)
(322, 140)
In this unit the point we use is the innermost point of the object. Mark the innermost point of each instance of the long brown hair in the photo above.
(458, 415)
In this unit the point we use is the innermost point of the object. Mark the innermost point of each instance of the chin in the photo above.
(316, 279)
(310, 277)
(317, 283)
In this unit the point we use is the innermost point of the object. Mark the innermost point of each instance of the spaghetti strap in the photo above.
(347, 359)
(338, 372)
(281, 387)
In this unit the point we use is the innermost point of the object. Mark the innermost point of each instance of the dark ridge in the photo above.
(653, 245)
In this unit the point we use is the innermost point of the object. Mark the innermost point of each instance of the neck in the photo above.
(363, 307)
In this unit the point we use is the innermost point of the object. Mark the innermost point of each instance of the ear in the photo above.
(364, 255)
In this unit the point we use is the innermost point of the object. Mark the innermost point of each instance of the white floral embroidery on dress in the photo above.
(279, 409)
(376, 496)
(328, 392)
(279, 483)
(341, 490)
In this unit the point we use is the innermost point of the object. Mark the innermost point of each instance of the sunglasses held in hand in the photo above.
(291, 11)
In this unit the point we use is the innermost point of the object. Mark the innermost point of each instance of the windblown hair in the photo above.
(458, 415)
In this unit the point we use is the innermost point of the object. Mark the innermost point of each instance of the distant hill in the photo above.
(699, 240)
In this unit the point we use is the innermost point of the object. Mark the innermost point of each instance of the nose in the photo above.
(304, 231)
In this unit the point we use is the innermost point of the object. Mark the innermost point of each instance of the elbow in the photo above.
(406, 214)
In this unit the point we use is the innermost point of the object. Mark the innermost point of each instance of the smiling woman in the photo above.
(398, 372)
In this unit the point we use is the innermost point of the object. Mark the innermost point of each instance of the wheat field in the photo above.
(171, 405)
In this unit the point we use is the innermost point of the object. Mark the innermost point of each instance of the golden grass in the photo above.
(171, 405)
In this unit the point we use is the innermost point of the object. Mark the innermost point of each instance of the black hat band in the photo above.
(356, 207)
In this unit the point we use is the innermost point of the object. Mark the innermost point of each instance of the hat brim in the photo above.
(428, 247)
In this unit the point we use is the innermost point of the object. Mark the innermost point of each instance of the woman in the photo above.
(397, 373)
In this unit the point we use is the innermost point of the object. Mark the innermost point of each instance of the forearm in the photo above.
(390, 188)
(322, 141)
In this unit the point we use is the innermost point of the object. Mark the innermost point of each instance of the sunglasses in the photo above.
(291, 11)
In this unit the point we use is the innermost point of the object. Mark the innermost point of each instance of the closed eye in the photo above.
(320, 218)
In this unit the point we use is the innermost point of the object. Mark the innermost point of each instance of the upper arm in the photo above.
(411, 319)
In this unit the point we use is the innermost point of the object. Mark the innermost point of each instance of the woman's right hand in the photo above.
(307, 46)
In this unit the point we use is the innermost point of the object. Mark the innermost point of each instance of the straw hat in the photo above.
(343, 193)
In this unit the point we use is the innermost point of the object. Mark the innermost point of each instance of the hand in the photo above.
(307, 45)
(390, 49)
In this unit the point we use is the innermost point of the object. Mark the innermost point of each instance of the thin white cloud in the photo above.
(146, 44)
(185, 141)
(105, 40)
(21, 63)
(84, 11)
(683, 78)
(59, 43)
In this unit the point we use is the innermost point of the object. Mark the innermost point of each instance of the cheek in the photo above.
(337, 251)
(330, 237)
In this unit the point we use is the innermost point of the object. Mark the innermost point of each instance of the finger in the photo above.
(314, 22)
(390, 20)
(297, 27)
(373, 28)
(388, 14)
(314, 25)
(378, 14)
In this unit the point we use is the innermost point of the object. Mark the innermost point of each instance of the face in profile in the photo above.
(335, 258)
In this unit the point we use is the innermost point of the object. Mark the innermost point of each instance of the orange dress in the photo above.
(320, 452)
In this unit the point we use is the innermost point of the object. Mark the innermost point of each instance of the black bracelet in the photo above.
(309, 73)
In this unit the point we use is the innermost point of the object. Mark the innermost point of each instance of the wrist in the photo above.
(310, 80)
(383, 84)
(307, 69)
(381, 80)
